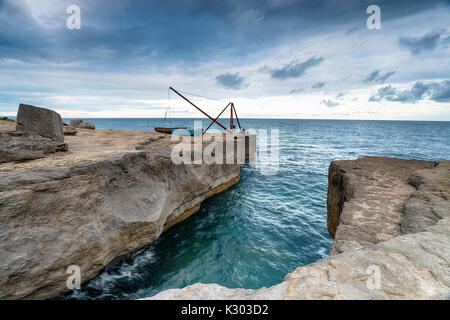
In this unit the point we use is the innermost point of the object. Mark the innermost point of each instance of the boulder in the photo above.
(43, 122)
(82, 125)
(19, 146)
(87, 125)
(76, 123)
(69, 131)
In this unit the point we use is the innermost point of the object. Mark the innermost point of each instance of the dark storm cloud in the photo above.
(435, 91)
(441, 92)
(294, 69)
(231, 80)
(179, 30)
(427, 42)
(318, 85)
(377, 77)
(329, 103)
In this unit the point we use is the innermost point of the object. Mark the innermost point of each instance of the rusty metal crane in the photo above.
(233, 114)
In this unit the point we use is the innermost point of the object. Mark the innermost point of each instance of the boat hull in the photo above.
(167, 130)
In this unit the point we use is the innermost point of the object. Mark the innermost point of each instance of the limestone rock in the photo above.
(101, 201)
(76, 123)
(200, 291)
(82, 125)
(40, 121)
(87, 125)
(19, 146)
(366, 199)
(6, 126)
(69, 131)
(339, 192)
(430, 202)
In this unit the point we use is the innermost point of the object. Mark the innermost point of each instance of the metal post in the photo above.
(235, 113)
(231, 119)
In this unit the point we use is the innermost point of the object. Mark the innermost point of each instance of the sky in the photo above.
(310, 59)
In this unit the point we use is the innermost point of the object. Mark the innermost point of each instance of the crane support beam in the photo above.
(198, 108)
(217, 117)
(235, 113)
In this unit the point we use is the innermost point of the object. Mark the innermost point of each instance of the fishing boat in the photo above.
(168, 130)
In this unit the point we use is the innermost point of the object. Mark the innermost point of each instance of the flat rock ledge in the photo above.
(110, 194)
(390, 219)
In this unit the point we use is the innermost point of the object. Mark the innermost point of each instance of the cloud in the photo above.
(231, 80)
(294, 69)
(246, 17)
(134, 48)
(427, 42)
(118, 35)
(329, 103)
(435, 91)
(295, 91)
(441, 92)
(318, 85)
(340, 95)
(376, 77)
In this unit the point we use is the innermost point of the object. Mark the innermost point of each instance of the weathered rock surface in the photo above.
(371, 195)
(76, 123)
(101, 200)
(366, 199)
(69, 131)
(430, 202)
(6, 126)
(19, 146)
(40, 121)
(81, 124)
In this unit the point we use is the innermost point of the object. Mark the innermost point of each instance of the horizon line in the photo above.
(326, 119)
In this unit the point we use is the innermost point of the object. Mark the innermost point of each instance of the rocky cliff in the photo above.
(110, 194)
(391, 222)
(366, 199)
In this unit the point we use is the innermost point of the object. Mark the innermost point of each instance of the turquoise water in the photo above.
(253, 234)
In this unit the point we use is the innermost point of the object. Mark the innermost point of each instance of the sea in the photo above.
(273, 221)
